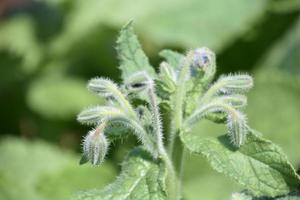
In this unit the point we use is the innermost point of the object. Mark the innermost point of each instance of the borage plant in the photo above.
(186, 91)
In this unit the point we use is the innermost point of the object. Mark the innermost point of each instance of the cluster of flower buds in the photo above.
(221, 101)
(120, 113)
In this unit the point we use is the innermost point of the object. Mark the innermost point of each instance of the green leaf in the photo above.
(40, 171)
(259, 165)
(289, 197)
(189, 23)
(205, 181)
(131, 55)
(245, 196)
(17, 36)
(141, 178)
(59, 97)
(172, 57)
(274, 110)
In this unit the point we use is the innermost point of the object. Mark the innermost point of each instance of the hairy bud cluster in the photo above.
(221, 101)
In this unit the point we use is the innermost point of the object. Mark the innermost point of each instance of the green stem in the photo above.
(176, 124)
(179, 99)
(174, 192)
(172, 182)
(178, 160)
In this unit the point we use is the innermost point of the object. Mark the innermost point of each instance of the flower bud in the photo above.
(203, 63)
(236, 124)
(103, 87)
(95, 146)
(137, 82)
(97, 114)
(239, 83)
(203, 57)
(235, 100)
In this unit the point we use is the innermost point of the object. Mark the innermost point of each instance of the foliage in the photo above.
(37, 170)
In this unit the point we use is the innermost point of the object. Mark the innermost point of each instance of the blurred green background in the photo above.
(49, 49)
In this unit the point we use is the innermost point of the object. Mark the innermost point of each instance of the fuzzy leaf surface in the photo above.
(141, 179)
(259, 165)
(131, 55)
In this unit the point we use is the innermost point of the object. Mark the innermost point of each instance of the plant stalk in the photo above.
(172, 182)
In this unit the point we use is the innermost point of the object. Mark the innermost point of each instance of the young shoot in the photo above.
(184, 88)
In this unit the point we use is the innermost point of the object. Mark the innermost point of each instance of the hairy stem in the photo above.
(178, 101)
(172, 179)
(177, 121)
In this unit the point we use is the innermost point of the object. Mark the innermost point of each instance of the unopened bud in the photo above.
(235, 83)
(95, 146)
(203, 57)
(137, 82)
(103, 87)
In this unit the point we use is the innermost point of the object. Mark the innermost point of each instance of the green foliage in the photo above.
(273, 86)
(17, 35)
(258, 165)
(140, 178)
(131, 56)
(43, 97)
(161, 25)
(39, 171)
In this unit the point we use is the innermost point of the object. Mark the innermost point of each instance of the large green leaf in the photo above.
(59, 97)
(200, 179)
(274, 110)
(141, 179)
(244, 196)
(131, 55)
(189, 23)
(259, 165)
(40, 171)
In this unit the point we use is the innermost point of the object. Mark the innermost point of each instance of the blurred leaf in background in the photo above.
(37, 170)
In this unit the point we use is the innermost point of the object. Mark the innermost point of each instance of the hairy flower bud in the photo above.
(235, 100)
(95, 146)
(203, 63)
(203, 57)
(239, 83)
(98, 114)
(103, 87)
(137, 82)
(237, 128)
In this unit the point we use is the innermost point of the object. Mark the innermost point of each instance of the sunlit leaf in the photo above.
(259, 165)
